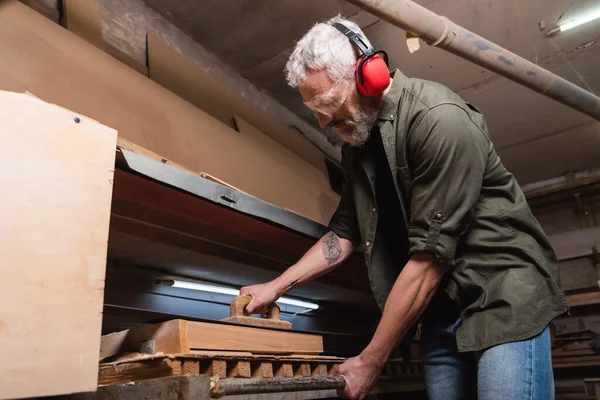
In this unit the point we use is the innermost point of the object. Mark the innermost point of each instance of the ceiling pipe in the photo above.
(440, 32)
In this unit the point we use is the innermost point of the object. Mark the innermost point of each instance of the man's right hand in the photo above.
(263, 296)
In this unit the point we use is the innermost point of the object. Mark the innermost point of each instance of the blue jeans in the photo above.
(511, 371)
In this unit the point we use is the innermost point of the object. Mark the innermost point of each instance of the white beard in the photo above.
(363, 122)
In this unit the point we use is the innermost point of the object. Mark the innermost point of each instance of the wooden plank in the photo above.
(283, 369)
(583, 299)
(319, 370)
(238, 369)
(188, 80)
(55, 217)
(91, 82)
(207, 336)
(82, 17)
(180, 336)
(169, 338)
(290, 164)
(126, 59)
(262, 369)
(301, 369)
(136, 371)
(48, 8)
(214, 368)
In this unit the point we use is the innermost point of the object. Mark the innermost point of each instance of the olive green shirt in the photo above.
(459, 203)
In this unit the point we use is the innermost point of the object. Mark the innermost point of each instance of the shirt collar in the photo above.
(388, 109)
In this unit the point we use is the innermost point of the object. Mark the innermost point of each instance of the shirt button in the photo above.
(368, 243)
(374, 210)
(391, 116)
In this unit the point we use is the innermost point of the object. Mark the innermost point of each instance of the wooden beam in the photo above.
(583, 299)
(207, 336)
(575, 244)
(179, 336)
(169, 337)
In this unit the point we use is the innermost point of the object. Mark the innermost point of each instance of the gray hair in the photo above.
(323, 47)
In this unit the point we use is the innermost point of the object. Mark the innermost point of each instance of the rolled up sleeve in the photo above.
(344, 222)
(448, 159)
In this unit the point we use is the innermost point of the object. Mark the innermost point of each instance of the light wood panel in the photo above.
(82, 17)
(60, 67)
(170, 337)
(180, 336)
(207, 336)
(188, 80)
(56, 176)
(294, 180)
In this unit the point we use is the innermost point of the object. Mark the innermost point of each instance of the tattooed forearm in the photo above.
(332, 248)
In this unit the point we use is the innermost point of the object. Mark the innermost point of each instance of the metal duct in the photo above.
(439, 31)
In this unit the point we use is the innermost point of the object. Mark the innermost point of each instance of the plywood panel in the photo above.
(288, 170)
(188, 80)
(89, 81)
(82, 17)
(56, 177)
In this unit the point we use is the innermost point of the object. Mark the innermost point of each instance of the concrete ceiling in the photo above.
(536, 137)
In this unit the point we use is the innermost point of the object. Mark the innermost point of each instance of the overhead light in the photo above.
(579, 21)
(203, 287)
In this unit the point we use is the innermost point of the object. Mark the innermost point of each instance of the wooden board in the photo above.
(289, 165)
(126, 59)
(238, 366)
(82, 17)
(48, 8)
(56, 177)
(207, 336)
(91, 82)
(188, 80)
(169, 337)
(179, 336)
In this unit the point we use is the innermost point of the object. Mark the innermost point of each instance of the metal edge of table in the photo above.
(222, 195)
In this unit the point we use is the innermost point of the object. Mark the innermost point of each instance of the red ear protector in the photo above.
(372, 74)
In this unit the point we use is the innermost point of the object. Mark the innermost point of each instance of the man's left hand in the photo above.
(360, 374)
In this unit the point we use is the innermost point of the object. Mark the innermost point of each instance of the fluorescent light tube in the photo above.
(234, 292)
(580, 21)
(570, 25)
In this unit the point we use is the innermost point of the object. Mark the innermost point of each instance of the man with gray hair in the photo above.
(447, 234)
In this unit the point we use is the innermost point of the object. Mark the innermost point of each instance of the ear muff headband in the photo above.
(367, 52)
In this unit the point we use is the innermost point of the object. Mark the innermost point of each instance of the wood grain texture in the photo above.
(207, 336)
(57, 177)
(180, 336)
(91, 82)
(239, 303)
(262, 369)
(283, 369)
(169, 338)
(136, 371)
(239, 369)
(260, 322)
(82, 17)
